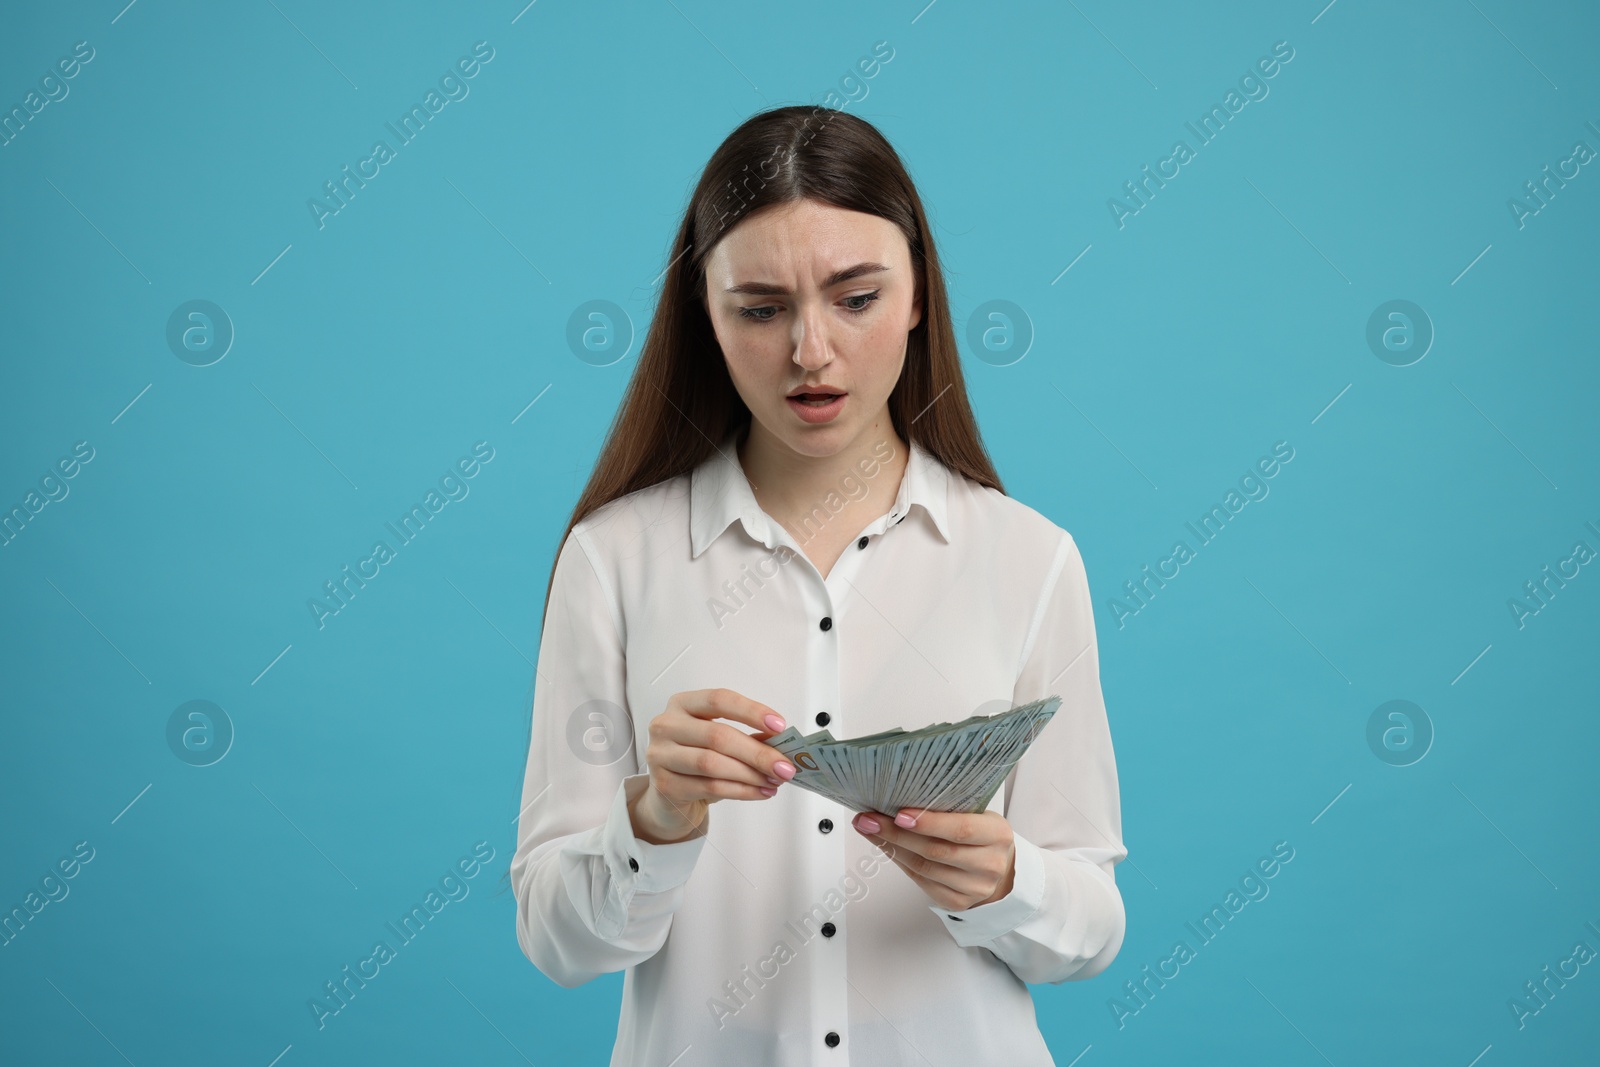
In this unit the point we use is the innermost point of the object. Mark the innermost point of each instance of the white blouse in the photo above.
(777, 934)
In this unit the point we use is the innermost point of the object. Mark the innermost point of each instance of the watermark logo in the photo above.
(454, 86)
(199, 733)
(53, 89)
(1541, 190)
(1399, 733)
(53, 888)
(1253, 87)
(1539, 993)
(453, 487)
(199, 332)
(1000, 333)
(853, 83)
(600, 333)
(738, 992)
(1253, 887)
(1541, 589)
(738, 592)
(453, 887)
(599, 732)
(1141, 591)
(1399, 333)
(731, 201)
(53, 486)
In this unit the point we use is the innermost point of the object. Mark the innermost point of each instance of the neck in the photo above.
(790, 487)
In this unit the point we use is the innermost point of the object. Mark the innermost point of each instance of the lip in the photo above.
(816, 413)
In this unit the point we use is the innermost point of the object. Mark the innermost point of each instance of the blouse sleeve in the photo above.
(591, 897)
(1064, 918)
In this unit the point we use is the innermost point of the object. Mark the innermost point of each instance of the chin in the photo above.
(816, 441)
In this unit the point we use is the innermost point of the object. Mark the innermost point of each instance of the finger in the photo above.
(692, 760)
(678, 726)
(762, 759)
(950, 886)
(962, 828)
(940, 894)
(931, 849)
(690, 787)
(727, 704)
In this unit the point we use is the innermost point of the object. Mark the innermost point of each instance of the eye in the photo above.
(868, 297)
(754, 313)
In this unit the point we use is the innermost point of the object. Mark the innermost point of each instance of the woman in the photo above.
(793, 520)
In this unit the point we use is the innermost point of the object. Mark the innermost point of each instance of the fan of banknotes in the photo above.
(944, 767)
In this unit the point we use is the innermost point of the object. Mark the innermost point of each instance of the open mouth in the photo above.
(816, 405)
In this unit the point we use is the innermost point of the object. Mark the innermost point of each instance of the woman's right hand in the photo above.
(696, 761)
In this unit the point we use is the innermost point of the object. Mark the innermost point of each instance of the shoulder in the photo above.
(1016, 530)
(1030, 563)
(618, 542)
(645, 521)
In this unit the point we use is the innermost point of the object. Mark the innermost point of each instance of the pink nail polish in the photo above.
(905, 819)
(775, 723)
(774, 781)
(784, 768)
(868, 824)
(768, 790)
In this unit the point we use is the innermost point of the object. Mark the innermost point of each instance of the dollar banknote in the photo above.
(948, 766)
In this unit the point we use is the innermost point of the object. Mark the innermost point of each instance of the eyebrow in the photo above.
(767, 289)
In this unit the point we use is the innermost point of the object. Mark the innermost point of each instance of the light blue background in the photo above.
(1227, 315)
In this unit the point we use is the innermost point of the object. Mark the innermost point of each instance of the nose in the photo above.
(812, 350)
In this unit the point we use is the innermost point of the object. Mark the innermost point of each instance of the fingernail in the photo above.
(774, 781)
(905, 819)
(784, 768)
(867, 824)
(775, 723)
(769, 792)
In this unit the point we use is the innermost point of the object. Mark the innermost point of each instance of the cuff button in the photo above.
(633, 864)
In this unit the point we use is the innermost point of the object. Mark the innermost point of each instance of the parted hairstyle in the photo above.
(681, 401)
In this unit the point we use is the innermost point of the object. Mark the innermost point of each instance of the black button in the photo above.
(826, 826)
(633, 863)
(957, 918)
(861, 543)
(832, 1038)
(827, 623)
(828, 929)
(823, 718)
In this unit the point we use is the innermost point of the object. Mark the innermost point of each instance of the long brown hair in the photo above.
(681, 402)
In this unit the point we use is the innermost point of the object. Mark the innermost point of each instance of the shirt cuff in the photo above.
(982, 924)
(641, 867)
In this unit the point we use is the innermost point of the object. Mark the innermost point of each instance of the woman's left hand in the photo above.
(960, 860)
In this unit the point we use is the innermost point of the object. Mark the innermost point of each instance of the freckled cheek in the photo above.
(887, 335)
(760, 368)
(755, 360)
(879, 350)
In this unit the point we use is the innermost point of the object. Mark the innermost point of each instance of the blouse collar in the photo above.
(719, 494)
